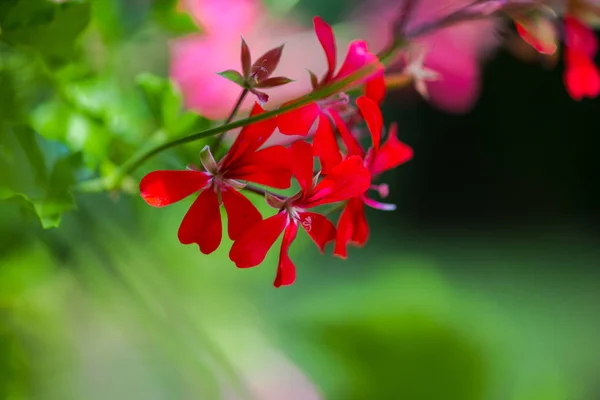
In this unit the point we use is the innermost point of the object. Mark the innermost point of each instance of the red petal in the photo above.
(372, 115)
(358, 56)
(580, 37)
(298, 121)
(241, 213)
(252, 246)
(392, 153)
(286, 271)
(202, 223)
(325, 145)
(302, 164)
(245, 58)
(353, 147)
(319, 228)
(348, 179)
(375, 88)
(249, 140)
(270, 167)
(161, 188)
(327, 39)
(541, 37)
(582, 78)
(352, 227)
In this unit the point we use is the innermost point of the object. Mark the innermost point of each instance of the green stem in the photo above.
(112, 182)
(232, 115)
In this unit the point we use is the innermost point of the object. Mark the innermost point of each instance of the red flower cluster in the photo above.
(345, 175)
(582, 76)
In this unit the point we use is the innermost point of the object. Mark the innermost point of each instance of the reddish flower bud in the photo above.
(266, 64)
(246, 59)
(273, 82)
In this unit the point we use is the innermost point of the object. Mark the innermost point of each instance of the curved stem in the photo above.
(232, 115)
(134, 162)
(261, 192)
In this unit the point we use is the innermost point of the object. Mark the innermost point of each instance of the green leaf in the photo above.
(176, 22)
(47, 26)
(166, 104)
(39, 172)
(233, 76)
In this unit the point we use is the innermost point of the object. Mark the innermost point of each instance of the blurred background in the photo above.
(484, 284)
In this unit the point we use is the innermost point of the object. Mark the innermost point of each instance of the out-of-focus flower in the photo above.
(196, 59)
(419, 73)
(582, 77)
(455, 52)
(353, 227)
(538, 28)
(220, 183)
(348, 179)
(275, 377)
(301, 120)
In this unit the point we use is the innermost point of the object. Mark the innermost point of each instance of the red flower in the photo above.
(352, 225)
(582, 78)
(301, 120)
(220, 184)
(348, 179)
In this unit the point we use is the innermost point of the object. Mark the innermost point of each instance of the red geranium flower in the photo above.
(220, 184)
(352, 225)
(300, 121)
(582, 78)
(348, 179)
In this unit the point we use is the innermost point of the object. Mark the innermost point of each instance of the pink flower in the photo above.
(220, 184)
(454, 52)
(196, 59)
(348, 179)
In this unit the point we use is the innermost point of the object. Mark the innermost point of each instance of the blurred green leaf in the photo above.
(174, 21)
(38, 171)
(233, 76)
(49, 27)
(166, 105)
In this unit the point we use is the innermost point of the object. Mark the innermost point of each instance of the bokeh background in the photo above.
(484, 284)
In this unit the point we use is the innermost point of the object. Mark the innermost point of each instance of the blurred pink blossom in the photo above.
(196, 59)
(455, 52)
(277, 378)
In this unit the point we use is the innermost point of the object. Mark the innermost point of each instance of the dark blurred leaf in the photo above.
(49, 27)
(23, 83)
(9, 104)
(38, 171)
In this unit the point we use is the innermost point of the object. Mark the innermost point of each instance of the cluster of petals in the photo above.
(538, 28)
(346, 180)
(345, 174)
(300, 121)
(352, 226)
(219, 184)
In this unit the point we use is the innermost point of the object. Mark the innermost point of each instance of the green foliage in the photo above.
(40, 172)
(69, 104)
(44, 26)
(166, 105)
